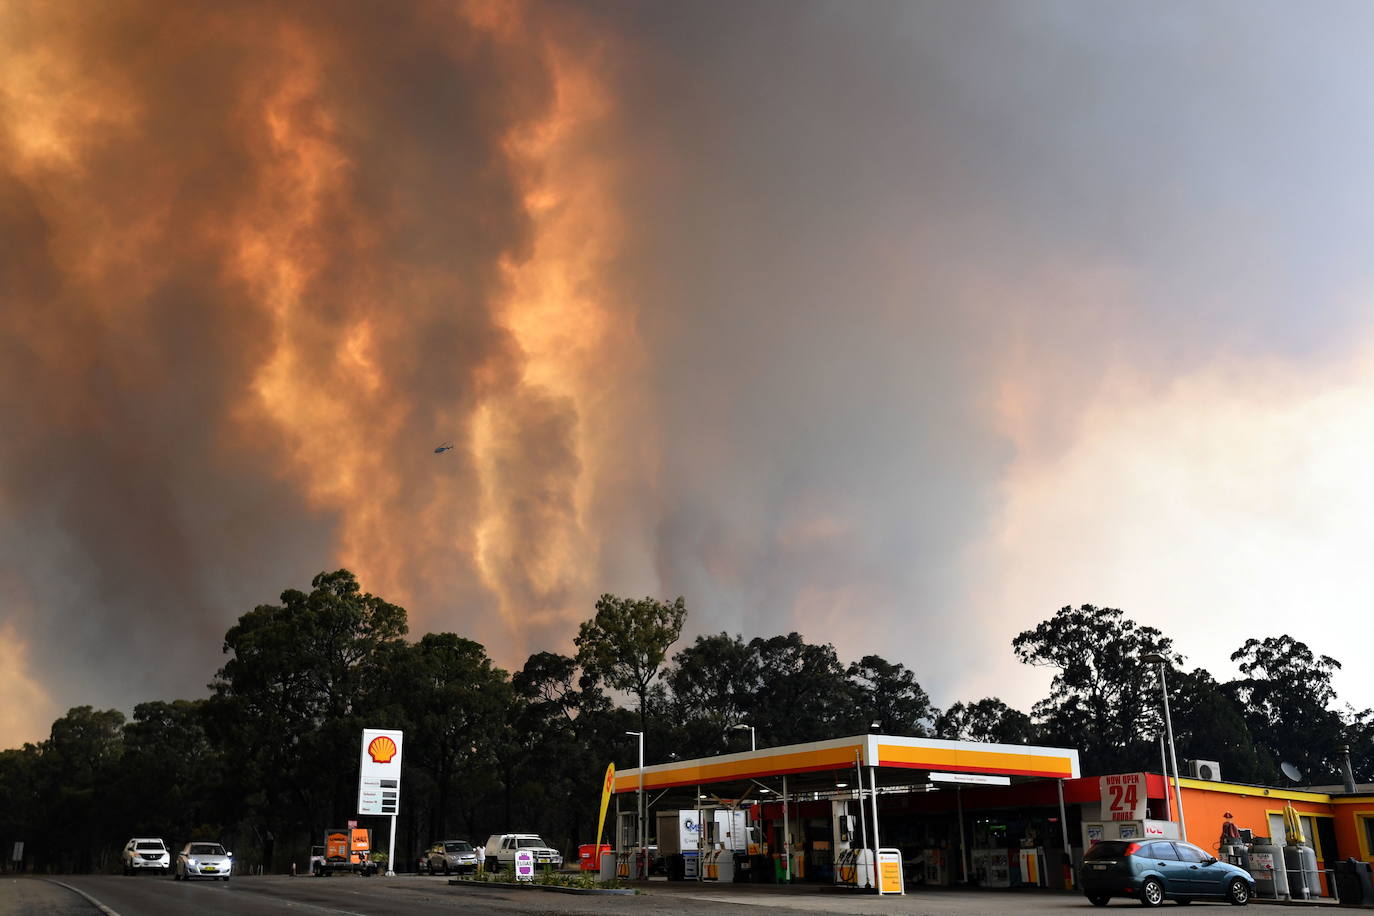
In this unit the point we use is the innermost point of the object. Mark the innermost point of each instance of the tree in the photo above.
(801, 692)
(79, 762)
(169, 771)
(1210, 725)
(1287, 695)
(988, 719)
(1103, 699)
(288, 702)
(626, 642)
(888, 694)
(711, 689)
(457, 704)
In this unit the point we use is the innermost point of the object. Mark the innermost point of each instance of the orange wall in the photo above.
(1205, 813)
(1350, 832)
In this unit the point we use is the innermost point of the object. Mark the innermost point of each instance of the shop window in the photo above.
(1368, 834)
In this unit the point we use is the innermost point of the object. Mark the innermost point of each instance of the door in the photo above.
(1205, 876)
(1161, 857)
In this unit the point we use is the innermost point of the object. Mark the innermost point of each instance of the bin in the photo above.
(1354, 883)
(589, 856)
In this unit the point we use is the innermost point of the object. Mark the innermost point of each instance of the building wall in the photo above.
(1354, 817)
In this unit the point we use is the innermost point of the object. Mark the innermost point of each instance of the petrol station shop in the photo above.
(892, 813)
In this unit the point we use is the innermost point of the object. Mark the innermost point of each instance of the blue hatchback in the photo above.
(1152, 870)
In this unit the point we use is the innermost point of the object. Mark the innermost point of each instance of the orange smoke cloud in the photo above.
(266, 259)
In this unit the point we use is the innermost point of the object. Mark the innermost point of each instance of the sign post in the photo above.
(379, 781)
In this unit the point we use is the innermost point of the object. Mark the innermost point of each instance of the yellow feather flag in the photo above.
(605, 800)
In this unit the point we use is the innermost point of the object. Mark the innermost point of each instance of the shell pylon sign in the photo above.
(379, 772)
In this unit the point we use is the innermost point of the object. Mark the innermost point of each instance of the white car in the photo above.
(204, 860)
(501, 849)
(144, 854)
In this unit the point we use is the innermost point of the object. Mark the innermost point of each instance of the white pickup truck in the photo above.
(501, 849)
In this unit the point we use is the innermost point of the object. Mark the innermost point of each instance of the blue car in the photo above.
(1152, 870)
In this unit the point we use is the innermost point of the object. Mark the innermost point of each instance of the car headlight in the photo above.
(192, 862)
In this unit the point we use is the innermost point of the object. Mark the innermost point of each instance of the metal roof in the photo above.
(820, 766)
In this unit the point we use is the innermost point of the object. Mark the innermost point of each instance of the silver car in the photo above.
(451, 856)
(204, 860)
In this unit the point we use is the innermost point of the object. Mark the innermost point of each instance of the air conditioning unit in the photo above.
(1209, 770)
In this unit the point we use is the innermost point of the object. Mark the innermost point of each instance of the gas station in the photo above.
(887, 814)
(877, 812)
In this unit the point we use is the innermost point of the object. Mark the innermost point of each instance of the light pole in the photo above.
(752, 745)
(639, 803)
(1154, 658)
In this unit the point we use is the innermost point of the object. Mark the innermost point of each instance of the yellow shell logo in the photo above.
(381, 749)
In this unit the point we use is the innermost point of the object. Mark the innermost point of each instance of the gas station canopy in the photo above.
(825, 766)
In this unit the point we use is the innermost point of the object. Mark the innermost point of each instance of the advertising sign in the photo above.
(607, 785)
(524, 865)
(379, 772)
(1123, 797)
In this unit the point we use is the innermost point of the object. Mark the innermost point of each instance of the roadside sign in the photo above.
(1123, 797)
(18, 850)
(524, 865)
(379, 772)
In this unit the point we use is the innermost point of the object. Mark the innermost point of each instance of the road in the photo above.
(423, 896)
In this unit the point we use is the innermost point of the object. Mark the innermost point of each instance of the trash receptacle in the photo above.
(1354, 883)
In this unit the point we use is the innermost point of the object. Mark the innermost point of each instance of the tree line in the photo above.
(268, 760)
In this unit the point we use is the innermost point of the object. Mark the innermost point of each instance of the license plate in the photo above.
(1100, 867)
(207, 869)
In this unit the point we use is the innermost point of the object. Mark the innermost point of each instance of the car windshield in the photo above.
(1108, 849)
(207, 849)
(458, 847)
(151, 844)
(531, 842)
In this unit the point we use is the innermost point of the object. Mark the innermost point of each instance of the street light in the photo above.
(639, 803)
(752, 745)
(1154, 658)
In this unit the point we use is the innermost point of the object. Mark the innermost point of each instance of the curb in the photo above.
(551, 888)
(89, 899)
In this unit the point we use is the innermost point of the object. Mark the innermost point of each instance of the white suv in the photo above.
(146, 854)
(501, 849)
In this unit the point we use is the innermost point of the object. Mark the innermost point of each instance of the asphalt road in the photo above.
(349, 895)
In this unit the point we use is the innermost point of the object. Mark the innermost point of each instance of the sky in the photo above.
(900, 325)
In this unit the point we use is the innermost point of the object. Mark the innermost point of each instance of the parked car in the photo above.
(203, 860)
(144, 854)
(1154, 870)
(501, 849)
(450, 856)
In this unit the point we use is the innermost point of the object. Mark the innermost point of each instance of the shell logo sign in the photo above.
(379, 771)
(381, 749)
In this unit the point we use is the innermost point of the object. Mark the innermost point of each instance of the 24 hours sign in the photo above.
(1123, 797)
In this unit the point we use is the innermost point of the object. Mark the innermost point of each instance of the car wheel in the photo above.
(1098, 899)
(1152, 892)
(493, 864)
(1238, 892)
(447, 870)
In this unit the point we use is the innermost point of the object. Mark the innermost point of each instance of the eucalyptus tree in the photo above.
(1103, 699)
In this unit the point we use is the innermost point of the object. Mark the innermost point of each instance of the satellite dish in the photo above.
(1293, 773)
